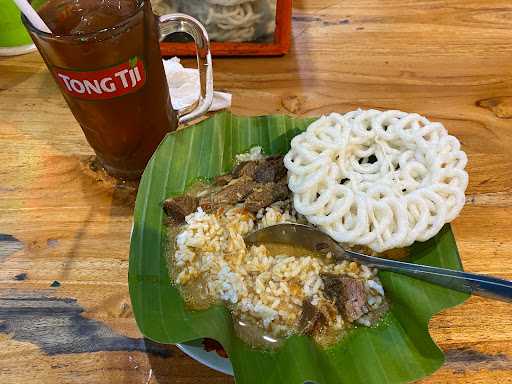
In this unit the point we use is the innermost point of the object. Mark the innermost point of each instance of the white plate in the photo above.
(195, 350)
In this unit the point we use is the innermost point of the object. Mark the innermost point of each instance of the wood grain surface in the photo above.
(65, 314)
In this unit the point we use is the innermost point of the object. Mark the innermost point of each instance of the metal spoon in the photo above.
(311, 238)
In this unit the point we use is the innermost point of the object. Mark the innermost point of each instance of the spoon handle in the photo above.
(481, 285)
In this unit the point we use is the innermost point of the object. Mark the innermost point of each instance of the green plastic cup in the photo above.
(14, 38)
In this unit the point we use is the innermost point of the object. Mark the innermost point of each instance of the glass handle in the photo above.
(179, 22)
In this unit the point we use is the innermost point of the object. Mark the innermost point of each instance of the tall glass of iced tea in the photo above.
(105, 57)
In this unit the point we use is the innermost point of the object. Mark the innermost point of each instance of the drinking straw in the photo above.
(34, 18)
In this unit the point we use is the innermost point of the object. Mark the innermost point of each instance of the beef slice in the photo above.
(348, 294)
(264, 195)
(179, 207)
(231, 194)
(269, 170)
(311, 319)
(222, 180)
(245, 168)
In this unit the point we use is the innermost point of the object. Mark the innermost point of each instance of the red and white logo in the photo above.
(103, 84)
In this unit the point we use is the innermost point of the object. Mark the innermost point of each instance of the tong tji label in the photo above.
(104, 84)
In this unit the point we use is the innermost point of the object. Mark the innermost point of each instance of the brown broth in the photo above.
(256, 336)
(277, 249)
(196, 297)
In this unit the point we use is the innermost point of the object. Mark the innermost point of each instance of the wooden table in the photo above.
(65, 314)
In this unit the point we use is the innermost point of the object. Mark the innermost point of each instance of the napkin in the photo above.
(184, 86)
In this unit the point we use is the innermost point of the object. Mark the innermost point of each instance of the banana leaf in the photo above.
(399, 349)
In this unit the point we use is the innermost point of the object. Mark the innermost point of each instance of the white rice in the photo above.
(255, 153)
(263, 289)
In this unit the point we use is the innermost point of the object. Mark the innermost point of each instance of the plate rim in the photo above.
(207, 358)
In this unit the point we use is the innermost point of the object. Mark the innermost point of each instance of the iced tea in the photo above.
(105, 57)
